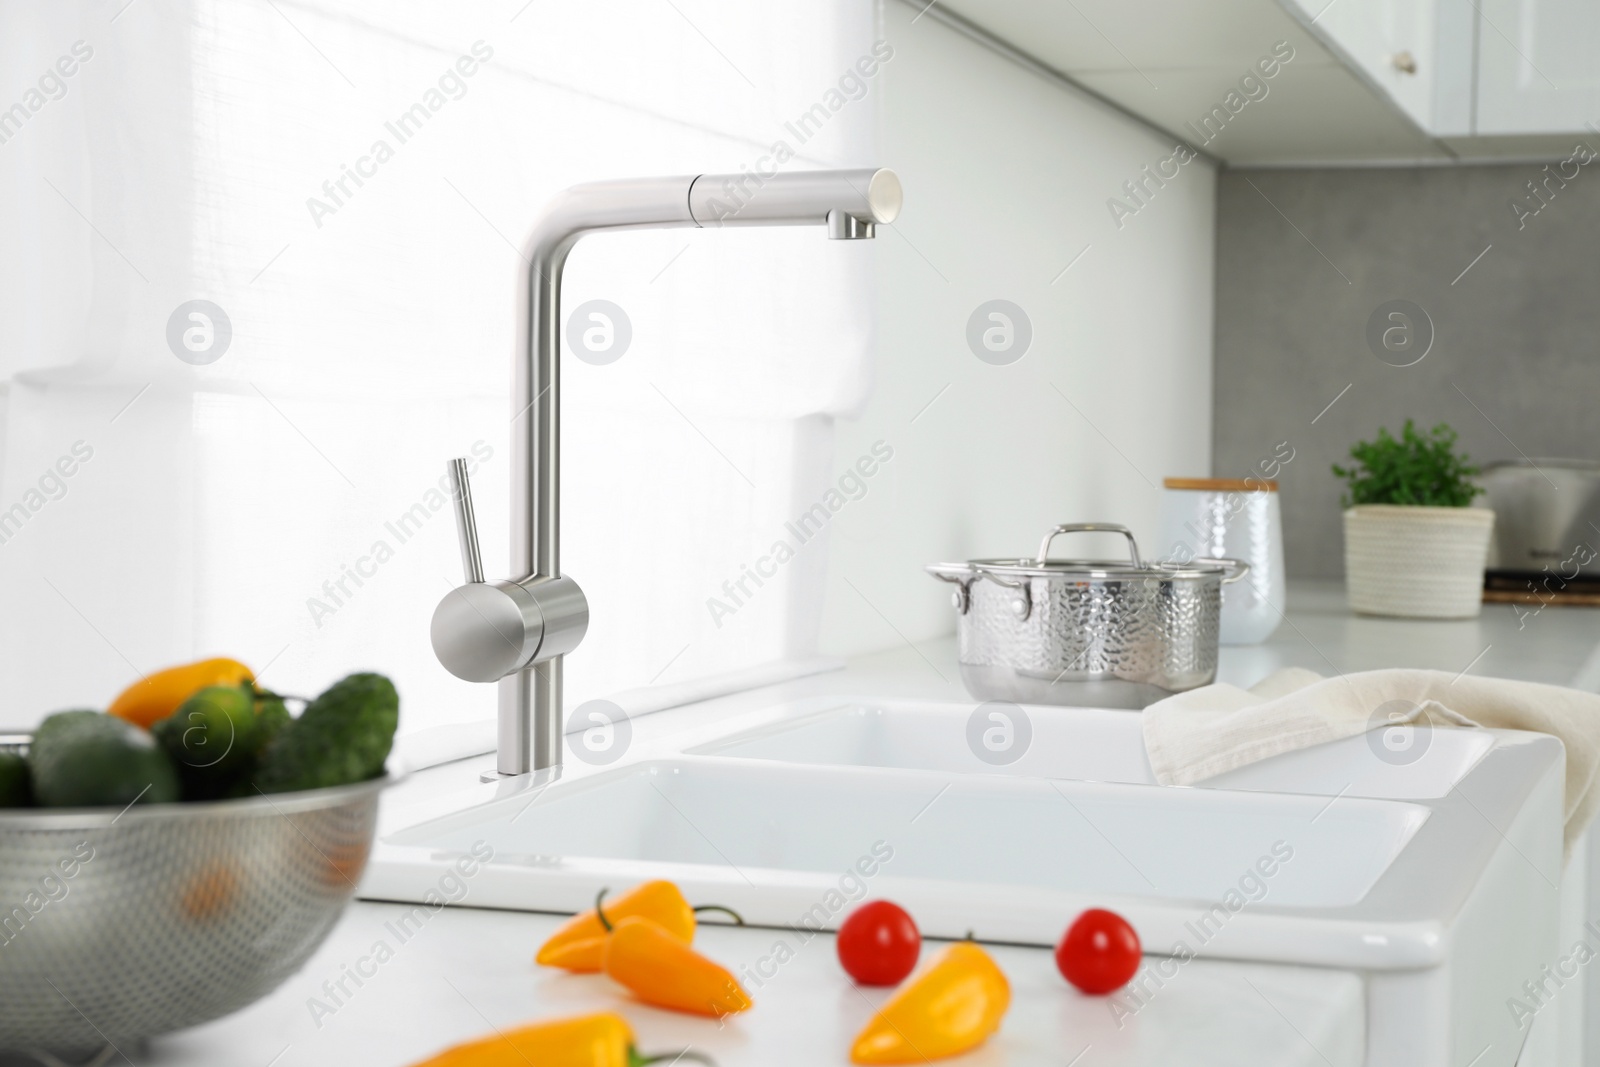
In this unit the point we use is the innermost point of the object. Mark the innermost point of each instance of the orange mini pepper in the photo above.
(602, 1040)
(581, 941)
(156, 696)
(660, 969)
(950, 1008)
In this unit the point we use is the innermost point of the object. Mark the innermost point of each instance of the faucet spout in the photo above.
(549, 607)
(831, 197)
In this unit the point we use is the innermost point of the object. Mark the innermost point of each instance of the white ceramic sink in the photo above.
(1437, 879)
(770, 810)
(769, 823)
(1084, 744)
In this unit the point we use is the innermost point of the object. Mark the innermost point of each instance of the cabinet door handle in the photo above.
(1404, 62)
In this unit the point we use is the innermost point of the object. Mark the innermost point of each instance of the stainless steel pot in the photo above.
(1087, 632)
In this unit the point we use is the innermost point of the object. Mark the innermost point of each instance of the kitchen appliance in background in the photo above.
(1547, 517)
(1087, 633)
(1234, 518)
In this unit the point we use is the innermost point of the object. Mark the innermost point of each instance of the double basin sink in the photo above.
(1432, 871)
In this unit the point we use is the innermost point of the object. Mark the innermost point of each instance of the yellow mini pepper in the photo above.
(156, 696)
(950, 1008)
(603, 1040)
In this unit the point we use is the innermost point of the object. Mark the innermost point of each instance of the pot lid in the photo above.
(1042, 566)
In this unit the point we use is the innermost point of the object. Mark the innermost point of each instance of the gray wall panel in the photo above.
(1304, 258)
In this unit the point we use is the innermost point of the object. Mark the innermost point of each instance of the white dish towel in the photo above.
(1202, 733)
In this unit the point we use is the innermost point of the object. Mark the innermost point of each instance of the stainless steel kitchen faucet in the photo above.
(516, 632)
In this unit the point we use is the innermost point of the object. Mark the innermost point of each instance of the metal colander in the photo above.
(120, 926)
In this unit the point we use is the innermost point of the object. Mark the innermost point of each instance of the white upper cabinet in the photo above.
(1377, 81)
(1418, 53)
(1470, 68)
(1538, 66)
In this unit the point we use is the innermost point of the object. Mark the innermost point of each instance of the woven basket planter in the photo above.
(1416, 562)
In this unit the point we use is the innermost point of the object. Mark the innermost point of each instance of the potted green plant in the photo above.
(1413, 545)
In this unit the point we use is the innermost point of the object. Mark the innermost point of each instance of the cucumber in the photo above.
(84, 759)
(272, 715)
(16, 781)
(341, 738)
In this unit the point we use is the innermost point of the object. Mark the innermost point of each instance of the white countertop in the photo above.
(470, 971)
(1556, 645)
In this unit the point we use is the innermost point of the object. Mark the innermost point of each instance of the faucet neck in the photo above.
(849, 202)
(536, 381)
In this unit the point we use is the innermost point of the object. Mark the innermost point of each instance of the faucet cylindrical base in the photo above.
(531, 727)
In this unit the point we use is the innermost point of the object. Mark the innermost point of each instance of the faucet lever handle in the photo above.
(466, 522)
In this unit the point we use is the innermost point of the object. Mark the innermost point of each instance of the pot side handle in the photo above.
(960, 575)
(1237, 568)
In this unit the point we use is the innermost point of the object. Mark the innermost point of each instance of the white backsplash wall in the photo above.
(226, 506)
(1007, 178)
(280, 504)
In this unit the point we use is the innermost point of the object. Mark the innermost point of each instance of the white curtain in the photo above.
(347, 181)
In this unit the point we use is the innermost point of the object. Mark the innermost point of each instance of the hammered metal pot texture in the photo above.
(1089, 633)
(115, 927)
(1124, 642)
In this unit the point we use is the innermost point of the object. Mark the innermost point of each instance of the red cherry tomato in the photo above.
(879, 944)
(1099, 952)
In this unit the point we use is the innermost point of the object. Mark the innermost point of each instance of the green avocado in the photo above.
(212, 739)
(341, 738)
(16, 781)
(86, 759)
